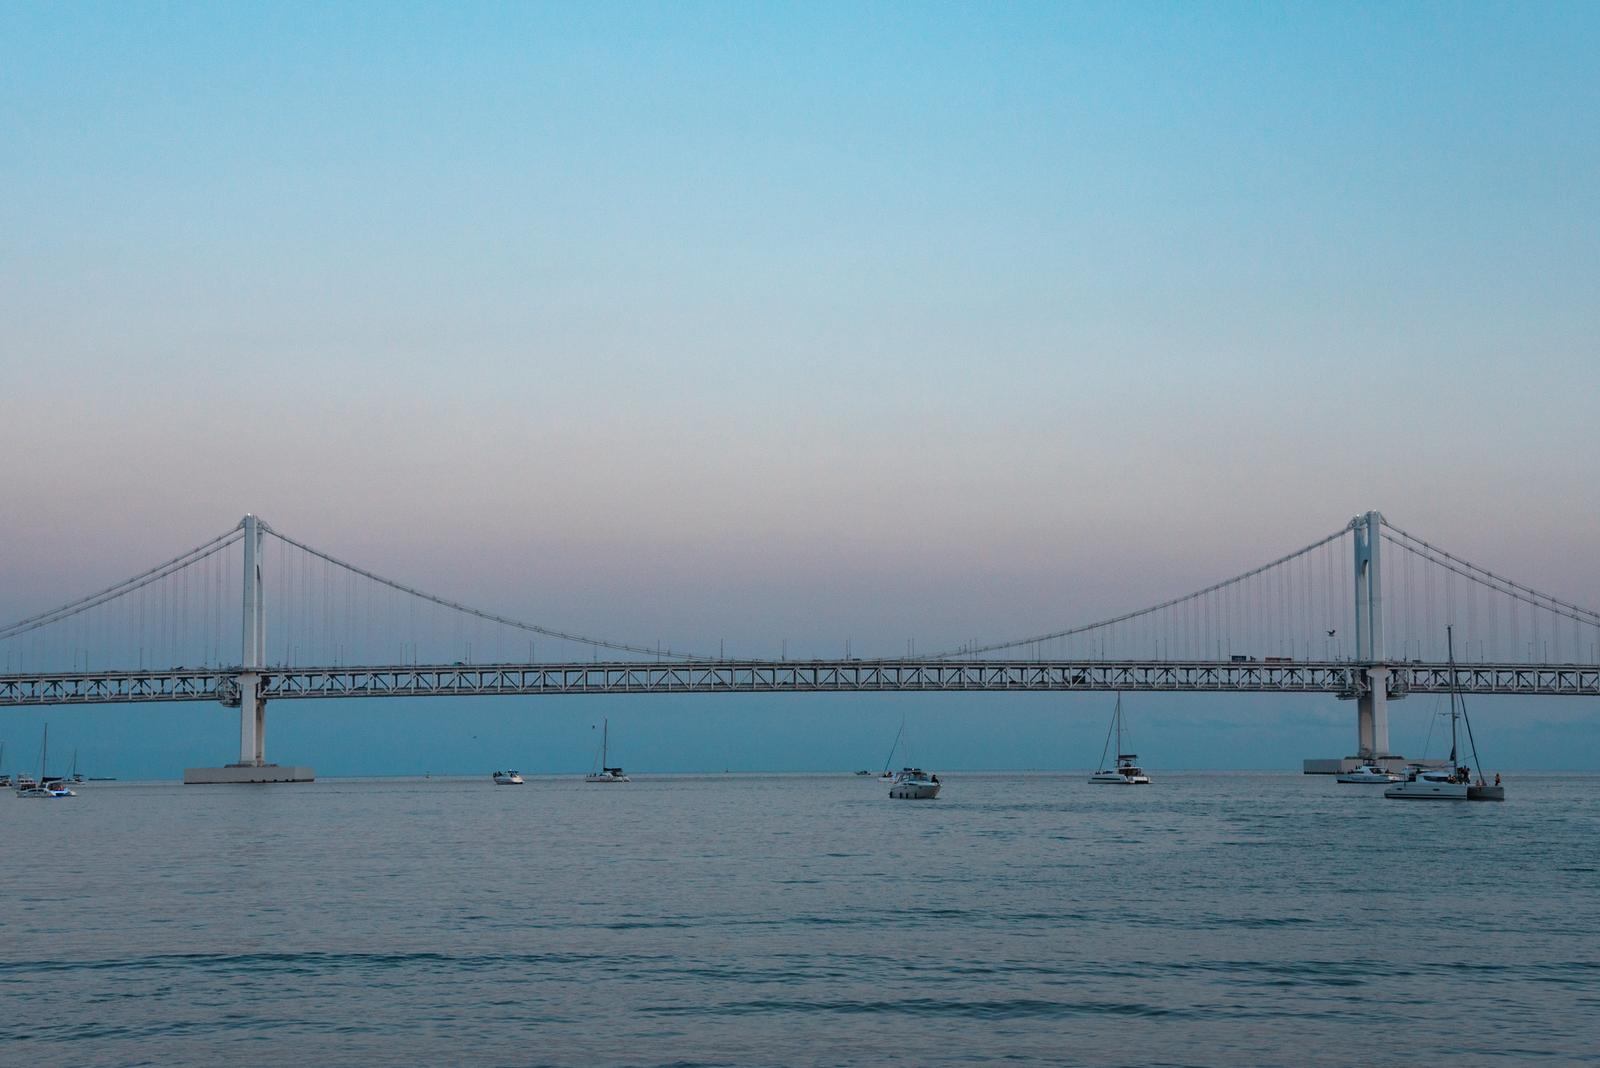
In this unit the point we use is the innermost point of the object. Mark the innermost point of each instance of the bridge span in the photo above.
(1342, 680)
(1369, 613)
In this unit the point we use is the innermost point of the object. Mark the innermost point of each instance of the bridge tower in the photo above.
(1372, 710)
(252, 706)
(252, 765)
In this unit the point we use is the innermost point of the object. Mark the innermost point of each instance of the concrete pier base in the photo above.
(248, 773)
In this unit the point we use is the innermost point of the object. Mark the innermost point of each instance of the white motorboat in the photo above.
(606, 774)
(45, 787)
(914, 784)
(1368, 773)
(1453, 783)
(1125, 771)
(507, 778)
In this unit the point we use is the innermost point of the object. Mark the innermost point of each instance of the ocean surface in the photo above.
(755, 920)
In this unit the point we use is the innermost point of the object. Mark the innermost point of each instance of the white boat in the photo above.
(1125, 772)
(1368, 773)
(45, 787)
(1433, 784)
(914, 784)
(507, 778)
(1453, 783)
(606, 774)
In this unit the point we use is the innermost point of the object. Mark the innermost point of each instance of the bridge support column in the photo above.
(252, 765)
(1372, 716)
(1372, 707)
(250, 719)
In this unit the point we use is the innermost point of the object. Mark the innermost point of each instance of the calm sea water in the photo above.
(745, 920)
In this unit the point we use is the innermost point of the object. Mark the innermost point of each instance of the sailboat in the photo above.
(44, 787)
(75, 775)
(606, 774)
(1453, 783)
(1125, 771)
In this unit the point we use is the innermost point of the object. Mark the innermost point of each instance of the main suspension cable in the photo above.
(456, 606)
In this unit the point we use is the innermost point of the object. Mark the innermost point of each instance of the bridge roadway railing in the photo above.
(1339, 678)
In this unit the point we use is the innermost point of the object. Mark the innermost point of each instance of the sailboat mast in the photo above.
(1118, 718)
(605, 738)
(888, 760)
(1450, 650)
(44, 747)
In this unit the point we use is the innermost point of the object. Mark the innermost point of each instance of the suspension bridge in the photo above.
(1360, 613)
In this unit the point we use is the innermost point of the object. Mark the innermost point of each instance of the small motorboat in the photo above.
(1368, 773)
(507, 778)
(914, 784)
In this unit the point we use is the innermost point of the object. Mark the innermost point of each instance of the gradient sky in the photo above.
(800, 322)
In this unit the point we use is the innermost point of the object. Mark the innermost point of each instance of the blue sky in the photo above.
(889, 321)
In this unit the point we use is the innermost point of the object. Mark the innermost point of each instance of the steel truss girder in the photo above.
(1580, 680)
(753, 676)
(1341, 679)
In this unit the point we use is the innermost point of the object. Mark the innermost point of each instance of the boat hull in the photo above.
(1428, 791)
(914, 791)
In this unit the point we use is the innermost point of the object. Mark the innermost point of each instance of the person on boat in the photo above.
(1497, 778)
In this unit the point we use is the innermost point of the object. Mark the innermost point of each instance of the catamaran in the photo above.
(606, 774)
(1125, 771)
(1453, 783)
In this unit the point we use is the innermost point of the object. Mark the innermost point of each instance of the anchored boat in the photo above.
(1367, 774)
(507, 778)
(1126, 771)
(46, 787)
(1454, 783)
(914, 784)
(606, 774)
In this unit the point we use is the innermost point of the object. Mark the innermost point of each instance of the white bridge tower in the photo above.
(252, 765)
(1372, 709)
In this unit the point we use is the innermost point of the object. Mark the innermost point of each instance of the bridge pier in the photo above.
(1372, 705)
(252, 765)
(1372, 716)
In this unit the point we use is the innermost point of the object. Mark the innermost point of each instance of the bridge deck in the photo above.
(1339, 678)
